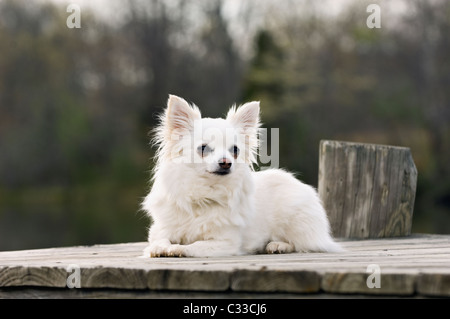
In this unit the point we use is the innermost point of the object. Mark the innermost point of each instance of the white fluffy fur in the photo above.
(198, 213)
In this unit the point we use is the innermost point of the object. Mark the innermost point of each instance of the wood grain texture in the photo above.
(434, 284)
(276, 281)
(60, 293)
(368, 190)
(188, 280)
(356, 282)
(418, 265)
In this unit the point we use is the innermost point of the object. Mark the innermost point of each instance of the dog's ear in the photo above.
(180, 115)
(246, 116)
(246, 119)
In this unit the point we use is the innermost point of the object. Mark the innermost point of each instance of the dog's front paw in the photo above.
(155, 251)
(278, 247)
(176, 251)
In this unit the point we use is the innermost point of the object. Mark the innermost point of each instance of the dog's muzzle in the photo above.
(224, 167)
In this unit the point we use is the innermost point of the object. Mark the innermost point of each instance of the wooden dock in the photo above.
(413, 266)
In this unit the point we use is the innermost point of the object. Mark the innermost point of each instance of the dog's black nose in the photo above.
(225, 163)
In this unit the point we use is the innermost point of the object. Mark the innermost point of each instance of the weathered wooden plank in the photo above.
(113, 277)
(357, 282)
(434, 284)
(60, 293)
(426, 256)
(275, 281)
(192, 280)
(35, 276)
(368, 190)
(416, 264)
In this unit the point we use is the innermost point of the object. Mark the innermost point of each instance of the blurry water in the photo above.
(22, 228)
(86, 220)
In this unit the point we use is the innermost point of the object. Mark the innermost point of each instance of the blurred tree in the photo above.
(68, 134)
(428, 65)
(265, 78)
(198, 62)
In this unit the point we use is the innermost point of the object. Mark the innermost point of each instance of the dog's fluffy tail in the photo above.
(331, 247)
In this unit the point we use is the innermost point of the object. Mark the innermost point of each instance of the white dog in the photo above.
(207, 201)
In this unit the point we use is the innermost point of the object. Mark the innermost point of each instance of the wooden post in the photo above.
(368, 190)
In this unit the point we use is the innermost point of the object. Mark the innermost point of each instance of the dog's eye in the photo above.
(235, 151)
(204, 150)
